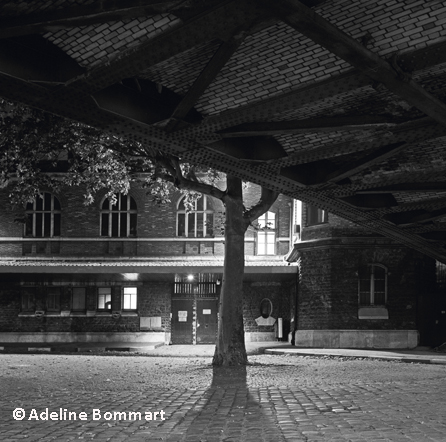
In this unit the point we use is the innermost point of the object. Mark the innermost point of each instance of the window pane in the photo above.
(115, 218)
(57, 224)
(39, 203)
(191, 225)
(104, 298)
(123, 202)
(56, 204)
(47, 224)
(78, 298)
(115, 206)
(380, 298)
(130, 298)
(123, 227)
(200, 225)
(364, 298)
(200, 203)
(104, 225)
(39, 224)
(47, 201)
(132, 204)
(53, 299)
(106, 204)
(181, 224)
(209, 224)
(28, 303)
(29, 224)
(364, 285)
(133, 224)
(379, 272)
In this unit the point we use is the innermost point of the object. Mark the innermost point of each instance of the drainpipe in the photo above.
(296, 309)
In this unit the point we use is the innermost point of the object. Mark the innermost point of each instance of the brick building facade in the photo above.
(135, 271)
(357, 289)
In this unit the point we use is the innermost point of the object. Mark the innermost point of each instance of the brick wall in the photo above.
(153, 300)
(328, 293)
(277, 292)
(153, 221)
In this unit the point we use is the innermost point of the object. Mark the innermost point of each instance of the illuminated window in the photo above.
(119, 220)
(104, 298)
(129, 298)
(197, 223)
(372, 285)
(266, 236)
(315, 215)
(43, 217)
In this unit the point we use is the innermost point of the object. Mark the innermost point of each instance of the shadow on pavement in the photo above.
(231, 413)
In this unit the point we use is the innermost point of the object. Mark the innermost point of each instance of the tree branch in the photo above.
(267, 199)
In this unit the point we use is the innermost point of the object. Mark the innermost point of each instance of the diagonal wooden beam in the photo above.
(206, 77)
(69, 17)
(328, 124)
(310, 24)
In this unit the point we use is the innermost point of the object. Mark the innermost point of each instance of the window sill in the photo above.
(373, 312)
(124, 313)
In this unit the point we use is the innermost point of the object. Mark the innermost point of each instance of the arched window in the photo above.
(119, 220)
(266, 236)
(372, 283)
(199, 223)
(43, 217)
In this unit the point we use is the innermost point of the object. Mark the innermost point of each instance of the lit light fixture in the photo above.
(190, 277)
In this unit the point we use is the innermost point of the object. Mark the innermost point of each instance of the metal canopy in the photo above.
(337, 103)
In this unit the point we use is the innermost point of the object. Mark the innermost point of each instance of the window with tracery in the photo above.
(199, 222)
(118, 220)
(43, 217)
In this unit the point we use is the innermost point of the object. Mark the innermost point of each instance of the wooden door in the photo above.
(207, 320)
(182, 321)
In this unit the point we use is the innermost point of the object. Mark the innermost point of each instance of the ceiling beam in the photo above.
(304, 94)
(327, 124)
(313, 26)
(206, 77)
(69, 17)
(410, 187)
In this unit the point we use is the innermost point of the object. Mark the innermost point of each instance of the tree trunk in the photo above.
(230, 348)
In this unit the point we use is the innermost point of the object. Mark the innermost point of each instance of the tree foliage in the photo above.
(40, 151)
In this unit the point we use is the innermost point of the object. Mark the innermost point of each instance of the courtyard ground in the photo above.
(278, 397)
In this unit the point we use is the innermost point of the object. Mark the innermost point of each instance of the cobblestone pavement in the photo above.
(229, 409)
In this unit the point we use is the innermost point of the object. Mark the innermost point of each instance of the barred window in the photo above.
(119, 220)
(197, 223)
(43, 217)
(372, 282)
